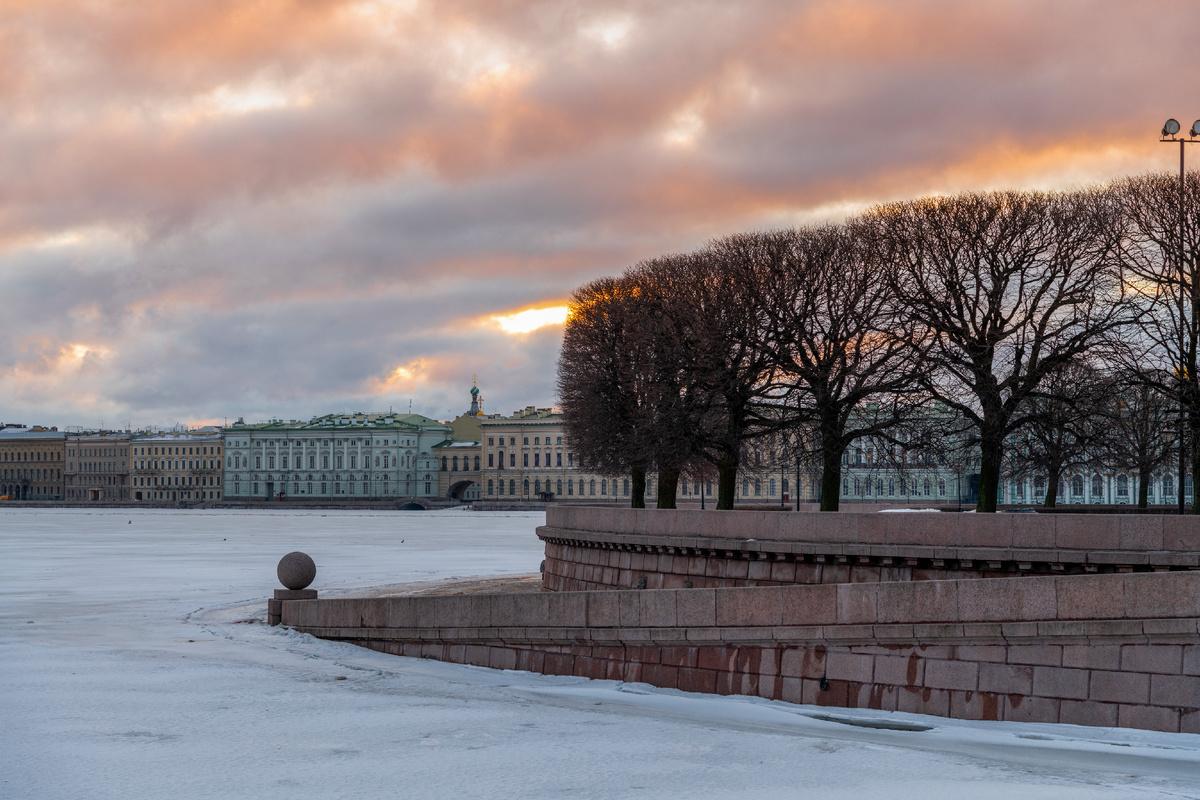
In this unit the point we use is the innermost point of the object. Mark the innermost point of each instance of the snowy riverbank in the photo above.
(133, 663)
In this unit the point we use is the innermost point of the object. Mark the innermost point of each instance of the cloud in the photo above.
(268, 208)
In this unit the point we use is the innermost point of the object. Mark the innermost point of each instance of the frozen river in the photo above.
(134, 664)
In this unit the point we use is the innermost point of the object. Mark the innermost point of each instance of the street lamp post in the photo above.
(1169, 133)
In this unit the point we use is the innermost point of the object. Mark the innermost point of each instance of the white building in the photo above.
(373, 456)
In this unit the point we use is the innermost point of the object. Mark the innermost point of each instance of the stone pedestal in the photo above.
(275, 604)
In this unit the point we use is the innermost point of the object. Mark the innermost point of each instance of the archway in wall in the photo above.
(463, 490)
(414, 505)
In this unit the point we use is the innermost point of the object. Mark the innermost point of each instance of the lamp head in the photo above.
(1195, 131)
(1170, 128)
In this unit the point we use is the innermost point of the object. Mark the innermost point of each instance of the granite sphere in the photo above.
(296, 570)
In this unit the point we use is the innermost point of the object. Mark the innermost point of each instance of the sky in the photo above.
(213, 209)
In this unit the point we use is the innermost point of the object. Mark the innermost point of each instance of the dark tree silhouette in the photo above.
(1010, 286)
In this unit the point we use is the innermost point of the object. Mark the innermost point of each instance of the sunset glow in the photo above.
(532, 319)
(270, 209)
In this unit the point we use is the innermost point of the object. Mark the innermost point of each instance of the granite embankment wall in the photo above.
(590, 548)
(1111, 649)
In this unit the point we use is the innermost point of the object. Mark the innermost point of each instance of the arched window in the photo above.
(312, 462)
(745, 487)
(1097, 485)
(758, 487)
(626, 486)
(454, 464)
(879, 487)
(592, 487)
(525, 488)
(1039, 486)
(1077, 486)
(443, 463)
(558, 487)
(537, 486)
(772, 492)
(941, 487)
(857, 486)
(501, 488)
(477, 463)
(490, 486)
(1187, 484)
(570, 486)
(1123, 486)
(393, 461)
(926, 487)
(1168, 486)
(604, 487)
(891, 487)
(512, 487)
(324, 464)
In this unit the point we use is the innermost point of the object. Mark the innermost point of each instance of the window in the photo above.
(257, 465)
(772, 492)
(477, 463)
(941, 487)
(491, 442)
(625, 485)
(526, 457)
(1168, 486)
(1097, 486)
(592, 487)
(491, 461)
(745, 487)
(558, 459)
(537, 486)
(1077, 486)
(512, 441)
(570, 486)
(537, 440)
(526, 440)
(512, 459)
(559, 440)
(491, 487)
(525, 487)
(537, 459)
(757, 487)
(926, 487)
(312, 462)
(891, 487)
(454, 464)
(1123, 486)
(512, 486)
(570, 459)
(324, 465)
(604, 487)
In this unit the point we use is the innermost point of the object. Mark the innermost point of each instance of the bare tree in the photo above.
(716, 329)
(1166, 274)
(1010, 286)
(1141, 421)
(1066, 428)
(845, 360)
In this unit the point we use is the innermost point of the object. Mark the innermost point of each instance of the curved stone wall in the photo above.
(590, 548)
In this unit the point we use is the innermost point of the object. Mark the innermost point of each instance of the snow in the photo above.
(134, 664)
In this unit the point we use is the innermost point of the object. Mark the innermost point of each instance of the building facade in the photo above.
(362, 456)
(97, 467)
(32, 462)
(177, 466)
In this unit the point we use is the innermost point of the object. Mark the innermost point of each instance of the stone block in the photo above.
(1034, 531)
(629, 609)
(1092, 656)
(1047, 655)
(791, 690)
(503, 658)
(657, 608)
(1087, 532)
(803, 662)
(1088, 712)
(1181, 534)
(917, 601)
(975, 705)
(697, 680)
(1148, 718)
(603, 609)
(1141, 533)
(1026, 598)
(696, 607)
(1090, 596)
(783, 571)
(899, 670)
(1005, 678)
(845, 666)
(1119, 687)
(1191, 659)
(750, 607)
(1169, 629)
(1016, 708)
(1060, 682)
(1162, 594)
(924, 701)
(808, 605)
(962, 675)
(1112, 629)
(856, 603)
(1181, 691)
(1063, 629)
(981, 652)
(1166, 659)
(295, 594)
(983, 530)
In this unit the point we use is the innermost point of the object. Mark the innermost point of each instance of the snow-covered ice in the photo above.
(134, 664)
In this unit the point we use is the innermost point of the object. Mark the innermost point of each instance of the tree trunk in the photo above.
(1051, 489)
(991, 449)
(832, 448)
(668, 486)
(1144, 479)
(726, 482)
(638, 478)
